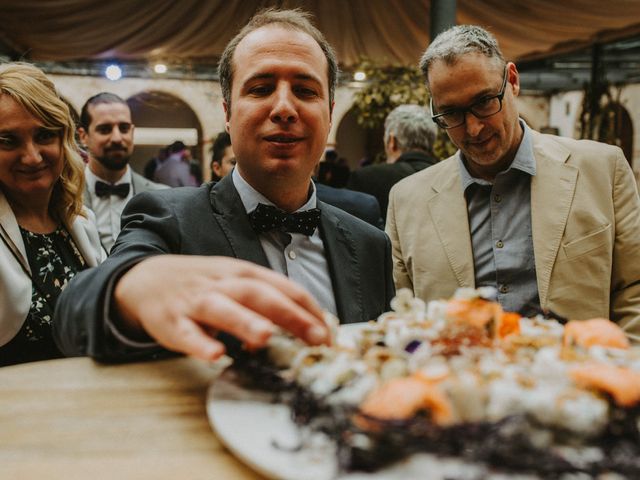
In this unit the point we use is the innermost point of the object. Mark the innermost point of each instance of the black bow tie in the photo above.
(266, 218)
(106, 189)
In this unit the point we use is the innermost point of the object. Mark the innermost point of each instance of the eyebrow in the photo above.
(269, 76)
(475, 98)
(113, 124)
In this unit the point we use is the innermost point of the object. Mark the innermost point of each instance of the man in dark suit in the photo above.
(278, 78)
(358, 204)
(409, 134)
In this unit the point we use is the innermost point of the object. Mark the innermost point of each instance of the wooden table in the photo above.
(74, 418)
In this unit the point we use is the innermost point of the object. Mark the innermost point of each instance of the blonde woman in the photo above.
(46, 234)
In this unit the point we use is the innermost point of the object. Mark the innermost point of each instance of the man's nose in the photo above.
(473, 124)
(284, 109)
(116, 135)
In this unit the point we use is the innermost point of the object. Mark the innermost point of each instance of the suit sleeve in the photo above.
(401, 276)
(80, 324)
(625, 272)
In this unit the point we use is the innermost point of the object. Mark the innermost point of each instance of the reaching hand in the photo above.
(181, 301)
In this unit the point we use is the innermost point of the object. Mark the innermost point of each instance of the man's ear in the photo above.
(331, 108)
(227, 115)
(217, 168)
(392, 144)
(514, 78)
(82, 134)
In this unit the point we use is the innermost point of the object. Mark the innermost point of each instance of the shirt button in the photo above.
(499, 244)
(497, 198)
(292, 255)
(504, 289)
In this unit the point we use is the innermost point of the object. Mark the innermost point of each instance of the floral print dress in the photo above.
(54, 259)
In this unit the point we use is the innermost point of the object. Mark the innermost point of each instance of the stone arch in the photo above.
(355, 142)
(156, 109)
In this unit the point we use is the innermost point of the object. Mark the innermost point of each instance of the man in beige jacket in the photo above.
(550, 222)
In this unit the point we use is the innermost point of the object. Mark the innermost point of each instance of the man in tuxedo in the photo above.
(552, 223)
(409, 134)
(278, 78)
(107, 132)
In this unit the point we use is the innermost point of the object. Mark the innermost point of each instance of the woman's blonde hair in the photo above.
(30, 88)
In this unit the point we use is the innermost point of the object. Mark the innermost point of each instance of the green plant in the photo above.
(389, 86)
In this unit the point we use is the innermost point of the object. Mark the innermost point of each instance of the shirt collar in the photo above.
(91, 178)
(525, 161)
(250, 197)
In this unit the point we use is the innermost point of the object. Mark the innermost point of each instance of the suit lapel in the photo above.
(232, 218)
(11, 232)
(86, 196)
(448, 210)
(137, 183)
(82, 241)
(552, 190)
(343, 262)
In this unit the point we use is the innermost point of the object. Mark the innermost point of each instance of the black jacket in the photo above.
(211, 220)
(377, 180)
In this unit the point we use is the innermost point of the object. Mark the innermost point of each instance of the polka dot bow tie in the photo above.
(266, 218)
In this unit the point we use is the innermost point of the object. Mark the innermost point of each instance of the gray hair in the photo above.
(457, 41)
(412, 127)
(291, 19)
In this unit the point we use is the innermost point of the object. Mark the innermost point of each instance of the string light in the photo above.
(113, 72)
(160, 68)
(359, 76)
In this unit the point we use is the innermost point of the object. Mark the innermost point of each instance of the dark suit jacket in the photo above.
(358, 204)
(377, 180)
(211, 220)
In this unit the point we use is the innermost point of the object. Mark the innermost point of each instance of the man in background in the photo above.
(551, 223)
(358, 204)
(107, 132)
(175, 170)
(222, 157)
(409, 134)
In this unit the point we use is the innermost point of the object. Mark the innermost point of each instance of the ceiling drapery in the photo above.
(394, 31)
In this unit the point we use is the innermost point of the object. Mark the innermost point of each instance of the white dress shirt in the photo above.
(299, 257)
(107, 209)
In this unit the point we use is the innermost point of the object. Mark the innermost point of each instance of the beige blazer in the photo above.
(15, 285)
(585, 216)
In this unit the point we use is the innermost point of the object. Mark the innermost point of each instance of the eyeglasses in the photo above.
(483, 108)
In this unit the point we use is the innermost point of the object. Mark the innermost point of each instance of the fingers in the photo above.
(282, 283)
(247, 308)
(178, 300)
(217, 310)
(287, 305)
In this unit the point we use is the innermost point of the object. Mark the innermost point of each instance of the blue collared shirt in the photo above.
(300, 257)
(500, 225)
